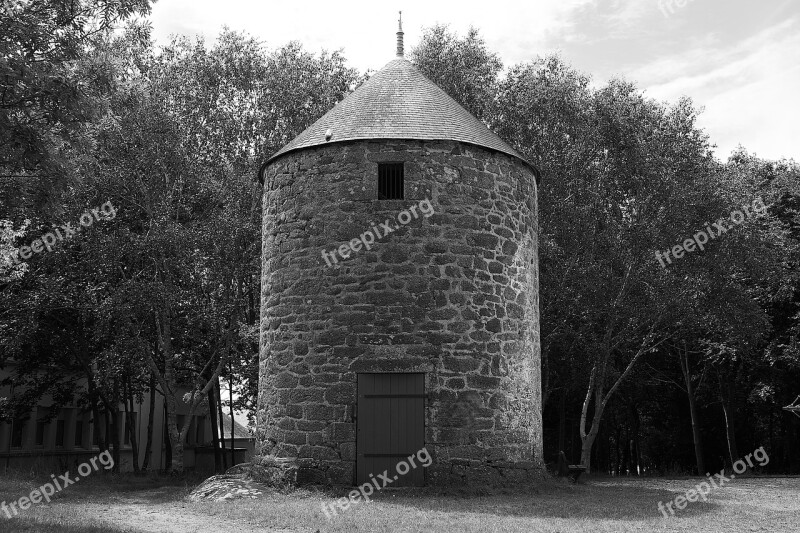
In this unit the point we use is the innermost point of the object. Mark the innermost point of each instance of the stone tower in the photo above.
(428, 336)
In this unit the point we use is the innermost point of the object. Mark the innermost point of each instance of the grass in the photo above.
(127, 504)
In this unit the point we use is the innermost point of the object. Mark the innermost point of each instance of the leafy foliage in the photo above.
(51, 91)
(170, 288)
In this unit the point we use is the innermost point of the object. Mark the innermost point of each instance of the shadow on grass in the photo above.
(601, 498)
(103, 489)
(39, 526)
(107, 487)
(593, 499)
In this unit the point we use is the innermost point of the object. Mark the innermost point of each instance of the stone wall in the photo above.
(454, 295)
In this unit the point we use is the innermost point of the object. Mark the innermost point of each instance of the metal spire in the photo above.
(400, 36)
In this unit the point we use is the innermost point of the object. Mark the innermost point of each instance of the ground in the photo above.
(116, 504)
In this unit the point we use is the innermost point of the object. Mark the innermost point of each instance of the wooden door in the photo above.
(391, 427)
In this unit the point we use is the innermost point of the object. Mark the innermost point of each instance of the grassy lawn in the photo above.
(128, 504)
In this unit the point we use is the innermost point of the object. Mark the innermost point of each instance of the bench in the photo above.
(568, 470)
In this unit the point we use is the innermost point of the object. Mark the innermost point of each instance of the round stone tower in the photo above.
(399, 305)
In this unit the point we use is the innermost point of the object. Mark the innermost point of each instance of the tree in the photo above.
(51, 91)
(463, 67)
(180, 158)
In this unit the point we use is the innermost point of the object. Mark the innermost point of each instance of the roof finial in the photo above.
(400, 36)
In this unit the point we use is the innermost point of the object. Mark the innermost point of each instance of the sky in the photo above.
(739, 60)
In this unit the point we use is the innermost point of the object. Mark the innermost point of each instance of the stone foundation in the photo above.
(484, 474)
(303, 472)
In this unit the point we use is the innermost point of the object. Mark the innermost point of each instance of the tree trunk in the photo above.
(107, 430)
(230, 394)
(177, 457)
(562, 420)
(626, 454)
(586, 451)
(635, 425)
(690, 393)
(167, 442)
(596, 384)
(212, 413)
(169, 385)
(98, 428)
(221, 425)
(176, 444)
(587, 439)
(130, 428)
(151, 416)
(115, 444)
(176, 434)
(727, 409)
(545, 369)
(251, 302)
(696, 435)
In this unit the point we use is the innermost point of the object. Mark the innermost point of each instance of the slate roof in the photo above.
(398, 102)
(239, 431)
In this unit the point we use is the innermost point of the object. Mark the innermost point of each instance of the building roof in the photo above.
(239, 431)
(398, 102)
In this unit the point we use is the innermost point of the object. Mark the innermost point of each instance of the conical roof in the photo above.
(398, 102)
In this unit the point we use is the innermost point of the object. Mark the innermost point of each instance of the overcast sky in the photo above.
(738, 59)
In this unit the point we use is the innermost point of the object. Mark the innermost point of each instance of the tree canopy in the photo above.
(646, 366)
